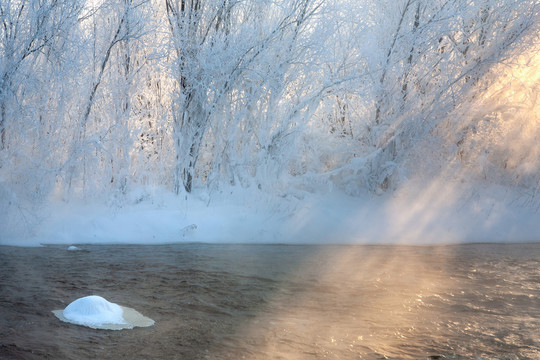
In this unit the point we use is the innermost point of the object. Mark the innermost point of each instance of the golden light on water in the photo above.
(345, 302)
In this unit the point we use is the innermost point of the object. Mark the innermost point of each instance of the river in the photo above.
(210, 301)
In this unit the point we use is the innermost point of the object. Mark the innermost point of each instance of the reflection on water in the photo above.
(288, 302)
(401, 302)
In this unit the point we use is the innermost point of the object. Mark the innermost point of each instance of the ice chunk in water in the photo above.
(94, 310)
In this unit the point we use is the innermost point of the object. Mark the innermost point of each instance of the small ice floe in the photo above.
(73, 248)
(97, 313)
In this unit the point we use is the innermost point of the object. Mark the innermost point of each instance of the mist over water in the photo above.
(477, 301)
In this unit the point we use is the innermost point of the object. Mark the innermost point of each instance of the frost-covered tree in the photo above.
(33, 35)
(220, 47)
(434, 56)
(35, 66)
(97, 97)
(114, 63)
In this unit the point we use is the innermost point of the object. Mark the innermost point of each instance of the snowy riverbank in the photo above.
(435, 215)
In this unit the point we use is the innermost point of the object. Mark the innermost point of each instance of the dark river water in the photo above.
(476, 301)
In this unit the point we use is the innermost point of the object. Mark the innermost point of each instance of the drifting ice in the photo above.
(97, 313)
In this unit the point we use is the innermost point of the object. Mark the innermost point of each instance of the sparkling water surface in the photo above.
(475, 301)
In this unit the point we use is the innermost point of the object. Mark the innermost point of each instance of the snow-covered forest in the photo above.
(114, 101)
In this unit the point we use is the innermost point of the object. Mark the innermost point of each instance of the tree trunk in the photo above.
(382, 98)
(3, 123)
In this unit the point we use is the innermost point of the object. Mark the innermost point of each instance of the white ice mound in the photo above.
(96, 312)
(92, 310)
